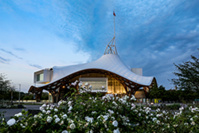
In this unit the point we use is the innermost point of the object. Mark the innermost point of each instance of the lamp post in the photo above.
(19, 92)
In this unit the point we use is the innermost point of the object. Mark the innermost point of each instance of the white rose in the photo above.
(48, 112)
(18, 115)
(11, 122)
(49, 119)
(116, 131)
(65, 131)
(64, 116)
(72, 126)
(115, 123)
(57, 120)
(44, 111)
(56, 110)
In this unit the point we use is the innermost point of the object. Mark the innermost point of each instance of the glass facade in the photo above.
(40, 77)
(114, 86)
(98, 84)
(98, 80)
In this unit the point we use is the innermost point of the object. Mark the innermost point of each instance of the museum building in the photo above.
(108, 74)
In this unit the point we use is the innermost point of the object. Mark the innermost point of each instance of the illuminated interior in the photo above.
(98, 80)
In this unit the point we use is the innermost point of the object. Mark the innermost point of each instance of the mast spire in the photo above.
(111, 48)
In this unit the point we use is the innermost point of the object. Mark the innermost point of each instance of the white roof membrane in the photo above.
(108, 62)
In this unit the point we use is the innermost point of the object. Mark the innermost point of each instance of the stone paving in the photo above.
(11, 112)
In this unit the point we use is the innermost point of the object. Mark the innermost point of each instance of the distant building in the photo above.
(108, 74)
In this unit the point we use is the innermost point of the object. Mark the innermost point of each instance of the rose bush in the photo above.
(107, 114)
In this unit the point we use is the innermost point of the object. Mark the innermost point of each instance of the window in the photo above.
(40, 77)
(96, 83)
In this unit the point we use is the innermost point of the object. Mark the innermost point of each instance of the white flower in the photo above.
(89, 119)
(182, 108)
(35, 116)
(105, 117)
(11, 122)
(72, 126)
(91, 131)
(191, 119)
(86, 84)
(90, 87)
(186, 124)
(48, 112)
(70, 108)
(69, 102)
(41, 108)
(59, 103)
(44, 111)
(57, 120)
(110, 111)
(193, 123)
(61, 123)
(158, 115)
(157, 110)
(133, 98)
(154, 119)
(49, 119)
(139, 114)
(158, 122)
(18, 115)
(114, 103)
(80, 84)
(56, 110)
(22, 125)
(115, 123)
(65, 131)
(133, 106)
(175, 125)
(93, 112)
(64, 116)
(116, 131)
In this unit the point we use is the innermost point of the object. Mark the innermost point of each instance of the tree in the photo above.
(5, 87)
(188, 75)
(157, 92)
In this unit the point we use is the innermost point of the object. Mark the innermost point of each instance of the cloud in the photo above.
(149, 34)
(10, 53)
(20, 49)
(36, 66)
(3, 60)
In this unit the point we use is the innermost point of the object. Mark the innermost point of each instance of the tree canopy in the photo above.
(188, 75)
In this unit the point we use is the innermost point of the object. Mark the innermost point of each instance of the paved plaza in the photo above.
(11, 112)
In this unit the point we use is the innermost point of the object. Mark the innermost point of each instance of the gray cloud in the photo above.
(10, 53)
(3, 60)
(20, 49)
(36, 66)
(152, 36)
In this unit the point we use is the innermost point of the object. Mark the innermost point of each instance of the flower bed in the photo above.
(107, 114)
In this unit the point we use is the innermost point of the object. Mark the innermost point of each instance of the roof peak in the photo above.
(111, 48)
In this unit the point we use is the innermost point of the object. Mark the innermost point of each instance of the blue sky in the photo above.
(150, 34)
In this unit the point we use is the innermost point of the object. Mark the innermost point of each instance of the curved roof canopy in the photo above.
(108, 62)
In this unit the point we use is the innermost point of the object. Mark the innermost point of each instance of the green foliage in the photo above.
(5, 87)
(109, 114)
(172, 95)
(44, 96)
(188, 75)
(157, 92)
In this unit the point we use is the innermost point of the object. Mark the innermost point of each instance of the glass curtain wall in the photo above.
(114, 86)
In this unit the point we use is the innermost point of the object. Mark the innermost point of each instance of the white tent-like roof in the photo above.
(108, 62)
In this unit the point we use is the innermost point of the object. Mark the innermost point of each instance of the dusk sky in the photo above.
(150, 34)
